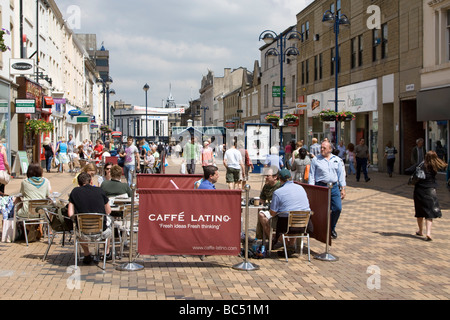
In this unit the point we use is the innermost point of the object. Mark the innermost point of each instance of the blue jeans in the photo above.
(128, 171)
(336, 204)
(48, 163)
(351, 167)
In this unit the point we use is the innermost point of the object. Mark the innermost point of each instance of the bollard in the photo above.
(131, 266)
(245, 265)
(326, 256)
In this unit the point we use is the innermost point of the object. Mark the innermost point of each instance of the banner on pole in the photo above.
(189, 222)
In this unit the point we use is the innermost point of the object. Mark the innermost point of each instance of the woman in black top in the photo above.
(425, 199)
(49, 153)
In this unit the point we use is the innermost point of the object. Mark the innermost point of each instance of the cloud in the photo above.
(177, 41)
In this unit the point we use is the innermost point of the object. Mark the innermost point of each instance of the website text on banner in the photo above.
(189, 222)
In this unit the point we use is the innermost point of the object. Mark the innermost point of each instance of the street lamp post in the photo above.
(146, 87)
(204, 114)
(335, 20)
(106, 92)
(281, 52)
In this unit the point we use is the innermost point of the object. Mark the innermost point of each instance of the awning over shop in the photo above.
(433, 104)
(49, 101)
(83, 118)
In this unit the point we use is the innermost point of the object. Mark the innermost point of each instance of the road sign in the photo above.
(276, 92)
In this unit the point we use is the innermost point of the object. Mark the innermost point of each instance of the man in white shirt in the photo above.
(235, 167)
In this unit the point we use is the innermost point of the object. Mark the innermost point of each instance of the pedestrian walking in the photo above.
(362, 160)
(234, 165)
(389, 154)
(328, 168)
(314, 150)
(426, 204)
(191, 154)
(351, 158)
(417, 155)
(63, 157)
(49, 153)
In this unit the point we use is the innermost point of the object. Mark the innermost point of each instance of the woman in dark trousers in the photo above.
(49, 153)
(425, 199)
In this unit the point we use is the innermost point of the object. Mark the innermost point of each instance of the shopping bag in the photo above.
(4, 177)
(183, 168)
(306, 174)
(8, 230)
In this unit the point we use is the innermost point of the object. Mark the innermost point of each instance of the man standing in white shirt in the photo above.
(235, 167)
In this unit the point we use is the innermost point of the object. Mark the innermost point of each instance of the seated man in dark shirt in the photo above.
(271, 184)
(115, 187)
(89, 199)
(211, 175)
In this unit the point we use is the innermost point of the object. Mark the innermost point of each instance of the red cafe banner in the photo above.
(189, 222)
(167, 181)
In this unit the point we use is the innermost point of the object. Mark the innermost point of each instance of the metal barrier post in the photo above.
(247, 266)
(131, 266)
(326, 256)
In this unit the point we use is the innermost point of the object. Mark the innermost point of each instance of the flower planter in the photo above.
(346, 118)
(328, 118)
(273, 121)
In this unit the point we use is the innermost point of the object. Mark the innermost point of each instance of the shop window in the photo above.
(353, 53)
(303, 72)
(375, 42)
(316, 68)
(307, 71)
(360, 50)
(320, 65)
(384, 41)
(448, 34)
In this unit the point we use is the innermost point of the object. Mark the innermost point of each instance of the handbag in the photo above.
(4, 177)
(419, 174)
(121, 162)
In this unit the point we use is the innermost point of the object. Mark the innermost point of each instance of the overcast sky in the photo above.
(176, 42)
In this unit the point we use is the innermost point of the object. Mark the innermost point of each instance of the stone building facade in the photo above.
(380, 60)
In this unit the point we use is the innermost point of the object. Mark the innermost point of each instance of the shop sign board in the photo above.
(21, 66)
(4, 106)
(25, 106)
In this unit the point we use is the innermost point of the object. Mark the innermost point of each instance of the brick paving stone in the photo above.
(376, 229)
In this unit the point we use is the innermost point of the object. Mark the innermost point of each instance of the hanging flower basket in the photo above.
(105, 128)
(3, 46)
(346, 116)
(290, 118)
(38, 126)
(328, 115)
(273, 119)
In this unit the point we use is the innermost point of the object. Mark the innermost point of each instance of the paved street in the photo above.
(376, 234)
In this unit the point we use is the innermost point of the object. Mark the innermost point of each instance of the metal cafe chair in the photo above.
(297, 228)
(33, 215)
(89, 230)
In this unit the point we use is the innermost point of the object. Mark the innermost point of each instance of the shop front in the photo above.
(5, 117)
(361, 100)
(31, 91)
(77, 124)
(433, 108)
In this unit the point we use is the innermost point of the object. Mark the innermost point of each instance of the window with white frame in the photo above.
(448, 34)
